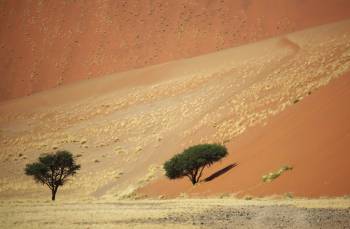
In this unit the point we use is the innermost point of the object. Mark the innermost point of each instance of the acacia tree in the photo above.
(53, 170)
(192, 161)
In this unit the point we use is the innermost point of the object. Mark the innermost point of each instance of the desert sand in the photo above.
(312, 136)
(178, 213)
(122, 127)
(126, 85)
(46, 44)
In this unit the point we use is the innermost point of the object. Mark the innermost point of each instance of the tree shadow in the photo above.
(220, 172)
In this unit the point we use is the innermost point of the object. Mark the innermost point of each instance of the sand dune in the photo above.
(124, 126)
(46, 44)
(312, 136)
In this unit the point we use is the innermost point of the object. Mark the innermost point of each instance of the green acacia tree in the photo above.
(192, 161)
(53, 170)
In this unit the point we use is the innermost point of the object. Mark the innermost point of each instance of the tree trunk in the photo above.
(193, 180)
(53, 197)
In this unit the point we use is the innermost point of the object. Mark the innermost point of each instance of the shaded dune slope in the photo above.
(313, 137)
(45, 44)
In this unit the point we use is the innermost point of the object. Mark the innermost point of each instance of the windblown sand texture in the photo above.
(45, 44)
(122, 127)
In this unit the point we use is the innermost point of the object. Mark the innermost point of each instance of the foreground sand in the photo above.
(178, 213)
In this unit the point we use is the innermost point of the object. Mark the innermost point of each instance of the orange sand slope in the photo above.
(313, 136)
(45, 44)
(124, 126)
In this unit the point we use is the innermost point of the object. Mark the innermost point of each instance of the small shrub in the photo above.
(183, 195)
(224, 195)
(289, 195)
(273, 175)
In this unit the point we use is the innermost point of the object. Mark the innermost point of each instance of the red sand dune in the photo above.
(313, 136)
(122, 127)
(44, 44)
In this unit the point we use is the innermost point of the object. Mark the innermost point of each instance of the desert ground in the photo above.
(178, 213)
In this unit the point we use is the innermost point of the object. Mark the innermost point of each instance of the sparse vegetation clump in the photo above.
(289, 195)
(192, 161)
(273, 175)
(53, 170)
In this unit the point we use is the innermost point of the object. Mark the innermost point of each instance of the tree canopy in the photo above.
(192, 161)
(53, 169)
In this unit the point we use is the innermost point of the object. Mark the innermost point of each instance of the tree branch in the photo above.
(200, 174)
